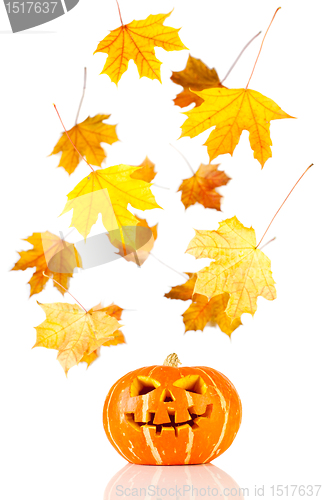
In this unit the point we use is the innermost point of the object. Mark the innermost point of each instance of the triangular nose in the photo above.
(167, 396)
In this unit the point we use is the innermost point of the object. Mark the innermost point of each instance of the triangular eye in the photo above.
(143, 385)
(192, 383)
(167, 396)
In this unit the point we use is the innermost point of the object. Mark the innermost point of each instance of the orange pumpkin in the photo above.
(167, 415)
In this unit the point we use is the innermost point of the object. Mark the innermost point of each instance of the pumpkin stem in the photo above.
(172, 360)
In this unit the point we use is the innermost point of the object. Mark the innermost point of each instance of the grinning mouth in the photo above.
(193, 422)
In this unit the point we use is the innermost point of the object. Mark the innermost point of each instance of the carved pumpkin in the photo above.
(167, 415)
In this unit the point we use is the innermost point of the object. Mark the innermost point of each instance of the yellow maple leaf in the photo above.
(200, 188)
(137, 41)
(45, 246)
(146, 172)
(87, 137)
(195, 76)
(113, 311)
(232, 111)
(109, 192)
(239, 268)
(74, 332)
(204, 312)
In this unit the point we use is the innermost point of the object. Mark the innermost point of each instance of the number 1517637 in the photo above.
(295, 489)
(31, 7)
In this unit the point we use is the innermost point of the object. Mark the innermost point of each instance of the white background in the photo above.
(52, 440)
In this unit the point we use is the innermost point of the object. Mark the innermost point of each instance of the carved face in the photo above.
(164, 415)
(168, 407)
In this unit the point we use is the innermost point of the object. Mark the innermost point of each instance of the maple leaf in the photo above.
(134, 244)
(137, 41)
(87, 137)
(74, 332)
(146, 172)
(200, 188)
(195, 76)
(90, 358)
(45, 247)
(202, 311)
(232, 111)
(118, 338)
(113, 311)
(109, 192)
(239, 267)
(184, 291)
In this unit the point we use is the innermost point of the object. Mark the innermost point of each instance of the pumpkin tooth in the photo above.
(130, 417)
(208, 412)
(162, 416)
(196, 422)
(182, 415)
(182, 427)
(167, 432)
(159, 427)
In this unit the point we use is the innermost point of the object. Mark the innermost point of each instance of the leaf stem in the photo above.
(81, 102)
(119, 12)
(59, 116)
(50, 277)
(263, 246)
(68, 233)
(185, 159)
(237, 59)
(166, 265)
(284, 202)
(160, 187)
(253, 69)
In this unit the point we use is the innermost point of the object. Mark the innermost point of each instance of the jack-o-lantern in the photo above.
(170, 415)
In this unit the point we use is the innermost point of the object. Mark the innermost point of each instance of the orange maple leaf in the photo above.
(87, 137)
(146, 172)
(200, 188)
(137, 41)
(45, 247)
(184, 291)
(75, 332)
(203, 312)
(195, 76)
(133, 242)
(118, 338)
